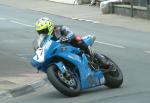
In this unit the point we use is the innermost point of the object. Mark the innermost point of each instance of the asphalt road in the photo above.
(128, 48)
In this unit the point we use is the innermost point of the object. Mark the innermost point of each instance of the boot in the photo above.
(100, 59)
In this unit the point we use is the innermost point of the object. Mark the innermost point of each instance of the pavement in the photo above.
(81, 12)
(21, 87)
(27, 82)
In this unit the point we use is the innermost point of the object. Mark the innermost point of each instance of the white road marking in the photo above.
(113, 45)
(30, 31)
(74, 18)
(2, 18)
(96, 22)
(81, 19)
(88, 20)
(16, 22)
(148, 52)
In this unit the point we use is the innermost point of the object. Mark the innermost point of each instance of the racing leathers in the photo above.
(63, 33)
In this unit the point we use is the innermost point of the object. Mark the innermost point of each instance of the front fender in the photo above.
(60, 66)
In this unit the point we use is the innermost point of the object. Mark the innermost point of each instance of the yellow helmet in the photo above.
(44, 26)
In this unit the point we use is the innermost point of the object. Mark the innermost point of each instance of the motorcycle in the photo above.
(70, 70)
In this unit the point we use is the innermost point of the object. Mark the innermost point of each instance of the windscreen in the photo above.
(37, 43)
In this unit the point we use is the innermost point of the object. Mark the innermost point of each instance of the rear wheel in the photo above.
(112, 73)
(114, 77)
(67, 84)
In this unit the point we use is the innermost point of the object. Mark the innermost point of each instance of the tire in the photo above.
(59, 85)
(114, 79)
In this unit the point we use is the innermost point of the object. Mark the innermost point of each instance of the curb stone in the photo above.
(24, 89)
(77, 19)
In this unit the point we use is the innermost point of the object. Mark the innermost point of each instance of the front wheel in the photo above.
(68, 84)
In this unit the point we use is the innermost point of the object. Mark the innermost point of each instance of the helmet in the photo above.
(44, 26)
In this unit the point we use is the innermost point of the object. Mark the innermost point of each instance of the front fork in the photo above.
(65, 75)
(60, 66)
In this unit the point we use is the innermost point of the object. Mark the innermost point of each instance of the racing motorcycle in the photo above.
(70, 70)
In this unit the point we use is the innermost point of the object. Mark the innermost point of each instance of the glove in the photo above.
(63, 39)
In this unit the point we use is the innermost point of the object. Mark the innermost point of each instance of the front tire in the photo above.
(61, 86)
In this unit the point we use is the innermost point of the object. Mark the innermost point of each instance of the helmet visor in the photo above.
(43, 31)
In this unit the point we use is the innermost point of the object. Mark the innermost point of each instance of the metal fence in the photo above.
(142, 3)
(138, 8)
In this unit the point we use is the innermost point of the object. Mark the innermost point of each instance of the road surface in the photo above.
(128, 48)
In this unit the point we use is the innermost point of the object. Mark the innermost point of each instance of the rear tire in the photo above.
(59, 85)
(114, 79)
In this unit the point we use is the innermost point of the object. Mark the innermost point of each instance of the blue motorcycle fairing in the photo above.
(60, 66)
(88, 40)
(47, 47)
(88, 78)
(52, 49)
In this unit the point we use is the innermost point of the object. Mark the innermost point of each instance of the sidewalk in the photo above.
(10, 82)
(81, 12)
(11, 86)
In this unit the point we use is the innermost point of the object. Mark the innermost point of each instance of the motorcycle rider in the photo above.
(59, 32)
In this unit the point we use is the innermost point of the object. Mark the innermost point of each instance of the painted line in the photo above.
(26, 57)
(16, 22)
(81, 19)
(92, 21)
(74, 18)
(113, 45)
(88, 20)
(2, 18)
(148, 52)
(96, 22)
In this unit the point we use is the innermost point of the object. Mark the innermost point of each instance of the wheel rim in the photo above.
(69, 81)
